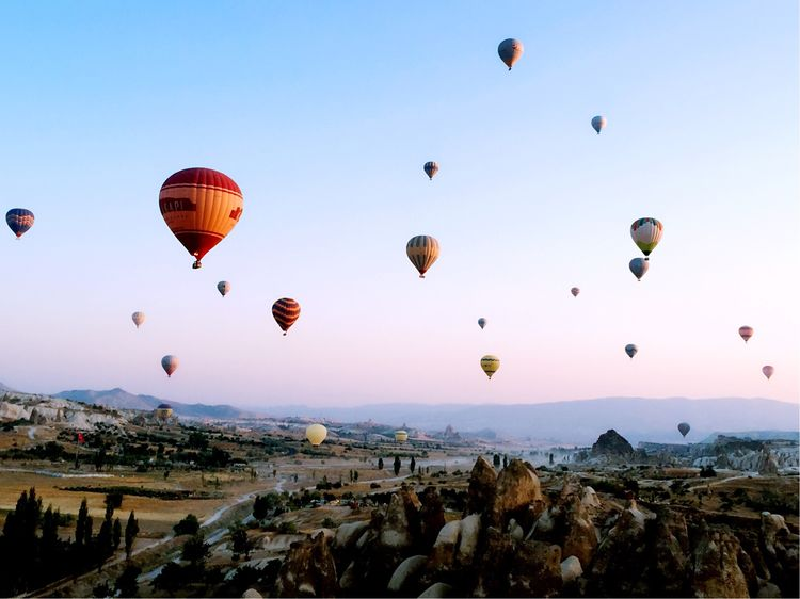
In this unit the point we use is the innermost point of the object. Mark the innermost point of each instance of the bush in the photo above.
(188, 526)
(329, 522)
(287, 528)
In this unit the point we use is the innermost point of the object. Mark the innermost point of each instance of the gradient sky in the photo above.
(324, 113)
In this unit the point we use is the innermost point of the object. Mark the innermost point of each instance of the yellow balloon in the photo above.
(490, 364)
(316, 434)
(401, 436)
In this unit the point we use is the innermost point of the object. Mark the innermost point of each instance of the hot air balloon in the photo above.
(200, 206)
(768, 370)
(683, 428)
(646, 233)
(316, 433)
(423, 251)
(430, 168)
(639, 266)
(285, 312)
(169, 364)
(490, 364)
(745, 333)
(481, 322)
(510, 51)
(631, 350)
(598, 123)
(138, 318)
(575, 291)
(401, 436)
(224, 287)
(20, 220)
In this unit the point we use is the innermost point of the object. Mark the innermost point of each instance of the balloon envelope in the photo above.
(746, 332)
(639, 266)
(316, 433)
(631, 350)
(224, 287)
(285, 311)
(598, 123)
(20, 220)
(481, 322)
(401, 436)
(510, 51)
(422, 250)
(169, 364)
(201, 206)
(430, 168)
(575, 291)
(683, 428)
(646, 233)
(138, 318)
(768, 370)
(490, 364)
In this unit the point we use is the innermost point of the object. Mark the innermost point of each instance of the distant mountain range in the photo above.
(578, 421)
(121, 399)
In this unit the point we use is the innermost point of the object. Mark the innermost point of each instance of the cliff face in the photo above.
(515, 542)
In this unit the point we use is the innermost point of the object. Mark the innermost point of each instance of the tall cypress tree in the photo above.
(116, 535)
(80, 527)
(131, 530)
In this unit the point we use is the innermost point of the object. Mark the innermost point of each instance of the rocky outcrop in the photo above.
(589, 499)
(535, 570)
(406, 573)
(251, 594)
(309, 570)
(580, 538)
(401, 522)
(570, 569)
(431, 517)
(443, 556)
(781, 553)
(348, 533)
(611, 443)
(621, 557)
(436, 591)
(482, 487)
(715, 566)
(519, 495)
(669, 560)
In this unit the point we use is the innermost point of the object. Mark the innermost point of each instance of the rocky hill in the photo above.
(121, 399)
(513, 541)
(47, 410)
(611, 443)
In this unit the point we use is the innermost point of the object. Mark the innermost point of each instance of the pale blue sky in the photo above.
(324, 114)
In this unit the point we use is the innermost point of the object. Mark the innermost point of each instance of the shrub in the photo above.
(188, 526)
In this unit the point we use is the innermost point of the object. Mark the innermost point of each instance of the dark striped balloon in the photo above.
(430, 168)
(20, 220)
(285, 311)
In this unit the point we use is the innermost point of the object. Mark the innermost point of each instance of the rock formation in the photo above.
(611, 443)
(309, 570)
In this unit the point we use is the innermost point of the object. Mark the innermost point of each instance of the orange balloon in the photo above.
(200, 206)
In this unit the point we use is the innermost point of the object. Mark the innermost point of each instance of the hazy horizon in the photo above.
(324, 119)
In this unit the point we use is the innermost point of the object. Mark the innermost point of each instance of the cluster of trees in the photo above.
(33, 554)
(398, 464)
(497, 461)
